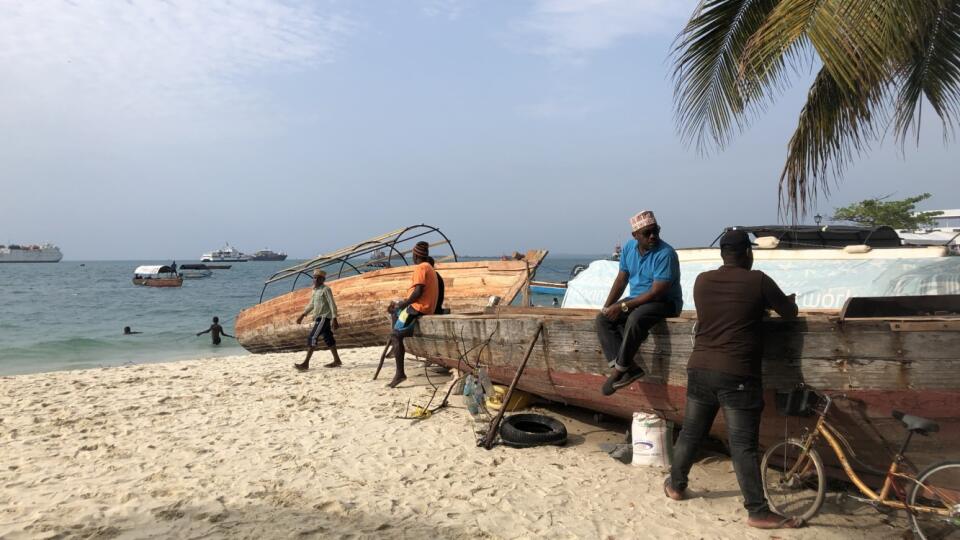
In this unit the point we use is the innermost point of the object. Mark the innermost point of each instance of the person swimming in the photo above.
(128, 332)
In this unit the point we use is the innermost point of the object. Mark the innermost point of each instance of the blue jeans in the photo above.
(742, 401)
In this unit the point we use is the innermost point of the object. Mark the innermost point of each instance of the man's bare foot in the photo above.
(302, 367)
(333, 364)
(774, 521)
(672, 493)
(397, 379)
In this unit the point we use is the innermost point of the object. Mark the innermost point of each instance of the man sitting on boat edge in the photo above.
(424, 292)
(652, 269)
(724, 371)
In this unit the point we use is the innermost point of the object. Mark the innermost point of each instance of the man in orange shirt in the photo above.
(422, 298)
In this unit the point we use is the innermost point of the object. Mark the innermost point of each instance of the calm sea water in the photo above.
(70, 315)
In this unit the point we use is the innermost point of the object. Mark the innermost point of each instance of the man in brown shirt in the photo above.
(724, 371)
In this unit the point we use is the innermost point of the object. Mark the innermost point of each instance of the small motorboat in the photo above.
(195, 271)
(157, 276)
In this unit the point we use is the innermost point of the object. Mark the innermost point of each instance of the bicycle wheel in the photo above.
(799, 494)
(937, 487)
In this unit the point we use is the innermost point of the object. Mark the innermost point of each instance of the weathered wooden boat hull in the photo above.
(362, 302)
(159, 282)
(880, 364)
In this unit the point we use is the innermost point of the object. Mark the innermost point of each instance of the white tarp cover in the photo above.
(151, 270)
(818, 284)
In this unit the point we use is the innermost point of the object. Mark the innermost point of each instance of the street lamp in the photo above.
(817, 218)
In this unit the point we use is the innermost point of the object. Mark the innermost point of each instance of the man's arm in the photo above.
(785, 306)
(611, 310)
(333, 305)
(307, 309)
(205, 331)
(417, 293)
(619, 284)
(657, 291)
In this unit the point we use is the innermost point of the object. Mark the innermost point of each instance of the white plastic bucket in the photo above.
(652, 440)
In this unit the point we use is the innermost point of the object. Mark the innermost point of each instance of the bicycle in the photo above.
(795, 483)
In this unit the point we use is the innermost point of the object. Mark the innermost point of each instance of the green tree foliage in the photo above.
(876, 63)
(900, 214)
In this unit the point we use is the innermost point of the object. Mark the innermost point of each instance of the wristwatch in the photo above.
(623, 307)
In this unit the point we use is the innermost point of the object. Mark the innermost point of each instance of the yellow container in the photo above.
(519, 399)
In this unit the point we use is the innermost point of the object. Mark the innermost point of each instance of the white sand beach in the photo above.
(246, 447)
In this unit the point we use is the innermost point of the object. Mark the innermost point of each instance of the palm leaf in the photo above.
(709, 104)
(931, 67)
(835, 125)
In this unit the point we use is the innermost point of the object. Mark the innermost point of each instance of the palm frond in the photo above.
(835, 125)
(780, 40)
(709, 106)
(931, 67)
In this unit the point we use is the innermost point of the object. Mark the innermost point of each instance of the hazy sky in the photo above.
(160, 129)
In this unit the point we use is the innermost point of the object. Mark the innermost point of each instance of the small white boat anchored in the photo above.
(225, 254)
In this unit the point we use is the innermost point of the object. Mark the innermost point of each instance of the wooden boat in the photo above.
(905, 360)
(362, 302)
(156, 276)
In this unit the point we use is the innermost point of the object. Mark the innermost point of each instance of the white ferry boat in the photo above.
(225, 254)
(14, 253)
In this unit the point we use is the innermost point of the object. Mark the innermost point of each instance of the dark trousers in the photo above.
(742, 402)
(620, 339)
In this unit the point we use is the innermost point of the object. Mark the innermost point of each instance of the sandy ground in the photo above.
(247, 447)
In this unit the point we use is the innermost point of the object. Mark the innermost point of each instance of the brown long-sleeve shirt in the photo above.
(731, 302)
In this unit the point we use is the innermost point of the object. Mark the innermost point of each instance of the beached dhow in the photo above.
(363, 288)
(882, 354)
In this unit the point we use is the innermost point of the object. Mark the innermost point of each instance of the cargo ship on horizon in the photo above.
(43, 253)
(268, 255)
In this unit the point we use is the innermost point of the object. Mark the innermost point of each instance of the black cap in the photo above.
(735, 240)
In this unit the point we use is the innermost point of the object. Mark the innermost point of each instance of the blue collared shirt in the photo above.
(659, 264)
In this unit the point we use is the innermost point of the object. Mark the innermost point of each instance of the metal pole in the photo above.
(487, 441)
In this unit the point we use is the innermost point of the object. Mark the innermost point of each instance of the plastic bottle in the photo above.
(469, 388)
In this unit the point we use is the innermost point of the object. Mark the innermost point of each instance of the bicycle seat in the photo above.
(916, 424)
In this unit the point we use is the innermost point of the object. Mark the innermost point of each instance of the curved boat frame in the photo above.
(397, 245)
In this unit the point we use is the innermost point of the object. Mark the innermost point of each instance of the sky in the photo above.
(162, 129)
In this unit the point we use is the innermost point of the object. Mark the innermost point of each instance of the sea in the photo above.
(71, 314)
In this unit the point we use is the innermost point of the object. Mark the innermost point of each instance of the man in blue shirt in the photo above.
(651, 268)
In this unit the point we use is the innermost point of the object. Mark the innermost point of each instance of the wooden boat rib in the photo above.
(362, 302)
(881, 364)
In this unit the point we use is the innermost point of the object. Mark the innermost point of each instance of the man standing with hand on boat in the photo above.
(724, 371)
(323, 310)
(424, 292)
(651, 267)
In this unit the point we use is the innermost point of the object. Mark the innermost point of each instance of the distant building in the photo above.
(949, 219)
(945, 229)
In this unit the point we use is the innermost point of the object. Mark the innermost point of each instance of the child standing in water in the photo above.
(215, 331)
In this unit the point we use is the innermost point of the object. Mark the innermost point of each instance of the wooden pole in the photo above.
(487, 441)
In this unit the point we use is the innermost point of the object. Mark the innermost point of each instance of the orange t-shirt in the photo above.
(423, 274)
